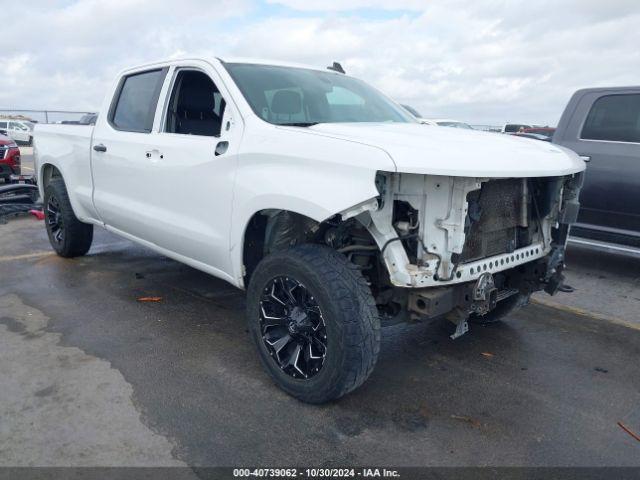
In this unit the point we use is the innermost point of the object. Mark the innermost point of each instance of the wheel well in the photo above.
(48, 172)
(274, 230)
(271, 231)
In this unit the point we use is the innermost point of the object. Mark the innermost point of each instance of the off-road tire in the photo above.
(77, 235)
(349, 312)
(502, 310)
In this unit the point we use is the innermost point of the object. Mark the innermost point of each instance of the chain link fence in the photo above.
(44, 116)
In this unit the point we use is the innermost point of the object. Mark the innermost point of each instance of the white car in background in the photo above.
(19, 130)
(426, 121)
(447, 122)
(437, 122)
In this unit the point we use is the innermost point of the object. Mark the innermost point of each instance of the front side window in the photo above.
(3, 124)
(300, 96)
(196, 106)
(614, 118)
(137, 100)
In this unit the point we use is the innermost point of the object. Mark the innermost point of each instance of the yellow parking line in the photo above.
(25, 256)
(27, 168)
(11, 258)
(586, 313)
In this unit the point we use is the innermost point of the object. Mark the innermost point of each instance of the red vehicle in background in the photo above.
(9, 158)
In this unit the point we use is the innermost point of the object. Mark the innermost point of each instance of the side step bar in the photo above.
(605, 246)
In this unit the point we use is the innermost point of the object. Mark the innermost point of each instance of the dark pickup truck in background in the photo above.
(602, 125)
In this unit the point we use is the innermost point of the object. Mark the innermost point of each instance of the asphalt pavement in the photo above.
(91, 375)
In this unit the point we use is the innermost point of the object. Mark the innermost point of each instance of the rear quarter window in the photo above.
(136, 100)
(613, 118)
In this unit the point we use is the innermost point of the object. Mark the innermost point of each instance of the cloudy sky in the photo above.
(482, 61)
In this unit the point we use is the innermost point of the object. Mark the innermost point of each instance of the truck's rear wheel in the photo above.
(314, 322)
(68, 236)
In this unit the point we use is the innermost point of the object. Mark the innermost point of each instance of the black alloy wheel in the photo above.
(68, 236)
(314, 322)
(292, 327)
(55, 222)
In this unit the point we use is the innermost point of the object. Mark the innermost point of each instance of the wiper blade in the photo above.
(299, 124)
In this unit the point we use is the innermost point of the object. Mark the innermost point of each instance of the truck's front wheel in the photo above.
(68, 236)
(314, 322)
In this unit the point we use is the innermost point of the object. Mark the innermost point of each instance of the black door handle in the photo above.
(221, 148)
(100, 148)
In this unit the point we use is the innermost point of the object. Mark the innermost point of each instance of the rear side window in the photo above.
(614, 118)
(136, 101)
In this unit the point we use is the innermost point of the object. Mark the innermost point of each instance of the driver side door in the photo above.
(192, 167)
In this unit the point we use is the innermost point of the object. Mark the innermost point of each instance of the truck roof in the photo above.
(255, 61)
(602, 89)
(277, 63)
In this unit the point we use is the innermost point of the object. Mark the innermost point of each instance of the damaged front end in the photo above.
(458, 244)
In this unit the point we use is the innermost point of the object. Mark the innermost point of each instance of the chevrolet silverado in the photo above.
(329, 203)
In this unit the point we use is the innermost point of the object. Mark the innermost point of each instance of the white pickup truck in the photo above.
(323, 198)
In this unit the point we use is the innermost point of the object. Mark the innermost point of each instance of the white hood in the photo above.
(426, 149)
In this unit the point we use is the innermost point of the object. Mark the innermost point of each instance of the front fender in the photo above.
(316, 184)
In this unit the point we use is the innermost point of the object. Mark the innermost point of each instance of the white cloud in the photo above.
(16, 65)
(342, 5)
(485, 61)
(74, 48)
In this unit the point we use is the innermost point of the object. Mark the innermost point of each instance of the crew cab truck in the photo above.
(330, 204)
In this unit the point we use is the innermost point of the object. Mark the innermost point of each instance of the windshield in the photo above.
(303, 97)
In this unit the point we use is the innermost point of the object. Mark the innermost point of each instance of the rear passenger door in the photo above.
(605, 130)
(123, 193)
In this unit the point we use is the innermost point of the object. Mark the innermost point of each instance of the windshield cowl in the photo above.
(298, 124)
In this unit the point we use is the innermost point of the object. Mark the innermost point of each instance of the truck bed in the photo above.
(69, 145)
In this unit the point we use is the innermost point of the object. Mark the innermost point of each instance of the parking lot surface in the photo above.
(90, 375)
